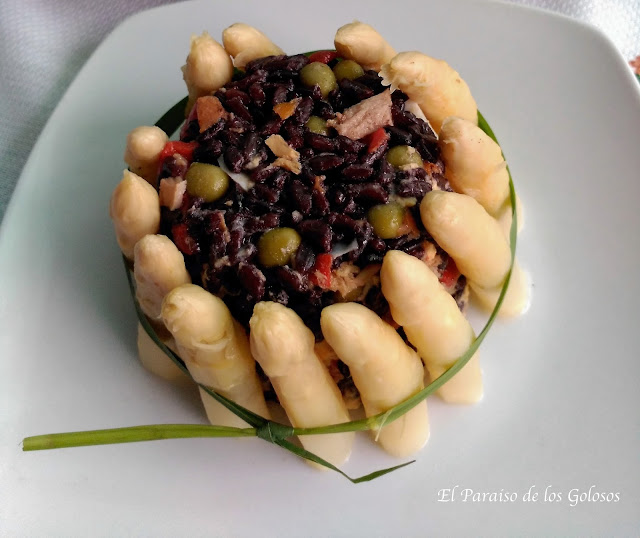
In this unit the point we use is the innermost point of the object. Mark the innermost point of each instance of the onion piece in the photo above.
(340, 249)
(240, 178)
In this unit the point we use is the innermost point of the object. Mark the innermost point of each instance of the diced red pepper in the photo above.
(376, 139)
(321, 274)
(450, 274)
(176, 146)
(324, 56)
(183, 239)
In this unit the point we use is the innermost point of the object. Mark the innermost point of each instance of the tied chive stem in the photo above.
(268, 430)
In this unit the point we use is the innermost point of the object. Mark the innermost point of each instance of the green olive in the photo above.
(348, 69)
(320, 74)
(386, 219)
(317, 125)
(206, 181)
(277, 246)
(400, 156)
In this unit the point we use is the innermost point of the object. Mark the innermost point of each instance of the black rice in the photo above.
(327, 203)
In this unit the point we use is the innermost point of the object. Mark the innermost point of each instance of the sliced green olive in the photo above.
(317, 125)
(347, 69)
(399, 156)
(277, 247)
(206, 181)
(320, 74)
(386, 219)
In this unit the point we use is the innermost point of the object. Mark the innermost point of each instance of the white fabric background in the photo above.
(44, 43)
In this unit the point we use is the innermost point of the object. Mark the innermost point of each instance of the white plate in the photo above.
(562, 405)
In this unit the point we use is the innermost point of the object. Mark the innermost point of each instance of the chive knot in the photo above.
(273, 432)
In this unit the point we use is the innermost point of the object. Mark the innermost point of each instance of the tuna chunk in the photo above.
(364, 118)
(349, 277)
(171, 192)
(288, 157)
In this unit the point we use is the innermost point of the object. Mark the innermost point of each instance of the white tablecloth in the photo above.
(44, 44)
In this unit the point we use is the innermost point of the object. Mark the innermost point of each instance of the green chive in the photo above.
(172, 118)
(134, 434)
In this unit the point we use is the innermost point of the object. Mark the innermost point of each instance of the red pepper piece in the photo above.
(176, 146)
(321, 274)
(450, 274)
(183, 239)
(324, 56)
(376, 139)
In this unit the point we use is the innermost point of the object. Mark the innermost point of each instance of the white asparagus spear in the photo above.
(158, 267)
(433, 84)
(245, 43)
(516, 301)
(384, 369)
(476, 242)
(361, 43)
(144, 145)
(215, 350)
(135, 211)
(156, 361)
(462, 227)
(474, 164)
(208, 68)
(432, 322)
(284, 347)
